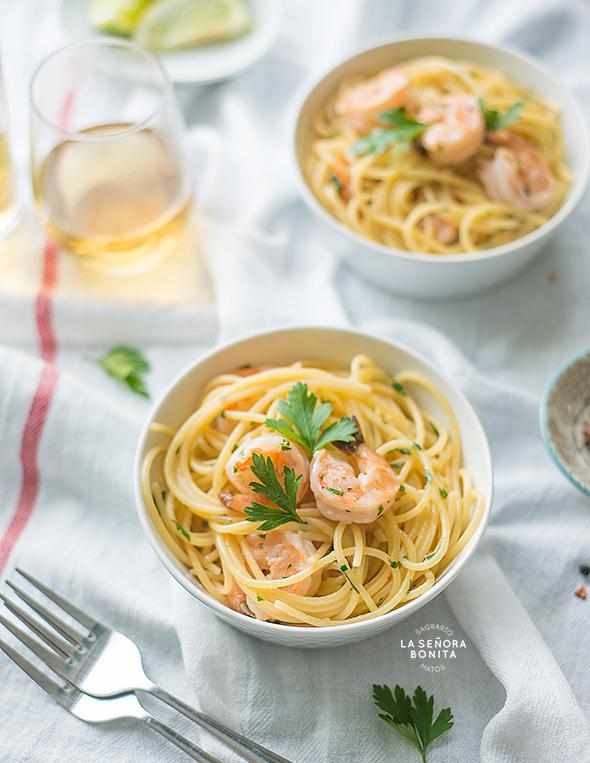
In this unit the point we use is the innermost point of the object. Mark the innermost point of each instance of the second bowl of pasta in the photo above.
(439, 166)
(313, 486)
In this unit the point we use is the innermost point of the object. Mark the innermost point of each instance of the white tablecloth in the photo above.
(520, 691)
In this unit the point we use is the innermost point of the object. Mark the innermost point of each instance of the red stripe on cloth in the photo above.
(43, 315)
(37, 416)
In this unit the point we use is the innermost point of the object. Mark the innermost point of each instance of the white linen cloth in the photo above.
(520, 691)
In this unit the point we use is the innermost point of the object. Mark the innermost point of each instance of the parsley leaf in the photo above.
(401, 131)
(495, 120)
(283, 498)
(412, 717)
(336, 183)
(182, 531)
(303, 419)
(127, 365)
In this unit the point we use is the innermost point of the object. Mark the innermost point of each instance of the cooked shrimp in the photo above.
(281, 554)
(518, 174)
(236, 599)
(273, 446)
(225, 425)
(456, 129)
(345, 495)
(239, 501)
(284, 553)
(359, 105)
(443, 231)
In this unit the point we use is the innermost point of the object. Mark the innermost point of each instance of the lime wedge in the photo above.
(170, 24)
(116, 16)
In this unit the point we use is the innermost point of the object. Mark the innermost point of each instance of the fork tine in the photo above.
(62, 628)
(50, 686)
(77, 614)
(52, 639)
(45, 655)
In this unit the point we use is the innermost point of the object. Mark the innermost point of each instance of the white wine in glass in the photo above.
(108, 163)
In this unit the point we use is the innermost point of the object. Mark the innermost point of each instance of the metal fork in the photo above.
(93, 710)
(105, 663)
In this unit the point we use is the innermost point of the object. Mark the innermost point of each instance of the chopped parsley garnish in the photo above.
(127, 365)
(259, 598)
(443, 492)
(434, 429)
(402, 487)
(336, 183)
(344, 569)
(428, 477)
(413, 716)
(303, 419)
(417, 446)
(284, 497)
(495, 120)
(285, 445)
(393, 565)
(405, 451)
(335, 491)
(428, 557)
(399, 388)
(397, 465)
(401, 130)
(234, 448)
(182, 531)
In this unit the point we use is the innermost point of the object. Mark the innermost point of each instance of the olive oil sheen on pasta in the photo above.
(117, 201)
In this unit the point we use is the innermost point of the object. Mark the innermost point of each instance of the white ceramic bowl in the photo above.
(336, 346)
(424, 275)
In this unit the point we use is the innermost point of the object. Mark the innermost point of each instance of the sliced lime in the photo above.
(170, 24)
(117, 16)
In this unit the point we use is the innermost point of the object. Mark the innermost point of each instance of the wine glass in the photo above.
(107, 155)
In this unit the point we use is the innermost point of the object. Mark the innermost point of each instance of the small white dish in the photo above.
(333, 346)
(204, 64)
(426, 275)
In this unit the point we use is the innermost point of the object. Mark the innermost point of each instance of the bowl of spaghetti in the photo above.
(438, 167)
(313, 486)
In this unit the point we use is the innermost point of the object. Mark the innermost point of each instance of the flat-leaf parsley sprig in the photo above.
(127, 365)
(284, 497)
(412, 717)
(401, 131)
(495, 120)
(303, 419)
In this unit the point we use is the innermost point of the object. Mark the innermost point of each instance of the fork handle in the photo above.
(192, 750)
(241, 744)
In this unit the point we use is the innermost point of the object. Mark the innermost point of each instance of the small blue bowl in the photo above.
(564, 417)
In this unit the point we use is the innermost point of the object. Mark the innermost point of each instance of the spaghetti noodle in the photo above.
(317, 570)
(508, 177)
